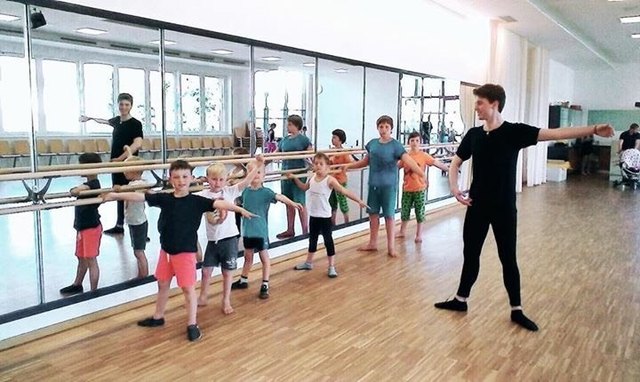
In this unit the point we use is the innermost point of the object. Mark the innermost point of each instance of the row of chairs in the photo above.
(62, 151)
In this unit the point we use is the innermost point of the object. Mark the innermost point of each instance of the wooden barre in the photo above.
(134, 166)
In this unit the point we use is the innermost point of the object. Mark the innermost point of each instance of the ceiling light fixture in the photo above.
(222, 51)
(5, 17)
(635, 35)
(341, 70)
(309, 64)
(630, 19)
(91, 31)
(166, 42)
(271, 58)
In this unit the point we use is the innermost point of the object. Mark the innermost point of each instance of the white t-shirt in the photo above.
(134, 211)
(228, 227)
(318, 198)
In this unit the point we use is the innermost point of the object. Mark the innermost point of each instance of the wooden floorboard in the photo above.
(578, 250)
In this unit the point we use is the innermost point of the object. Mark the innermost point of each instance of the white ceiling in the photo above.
(582, 34)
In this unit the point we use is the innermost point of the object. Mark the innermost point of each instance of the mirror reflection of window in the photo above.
(60, 96)
(14, 95)
(98, 93)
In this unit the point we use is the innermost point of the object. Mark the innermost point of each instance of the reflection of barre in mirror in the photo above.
(143, 165)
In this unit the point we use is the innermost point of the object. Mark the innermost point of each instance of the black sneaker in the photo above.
(193, 333)
(72, 289)
(239, 285)
(453, 304)
(117, 230)
(151, 322)
(519, 318)
(264, 292)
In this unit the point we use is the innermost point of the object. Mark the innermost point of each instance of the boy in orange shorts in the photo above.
(89, 232)
(180, 216)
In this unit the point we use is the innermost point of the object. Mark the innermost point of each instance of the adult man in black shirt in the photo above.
(629, 139)
(492, 197)
(127, 131)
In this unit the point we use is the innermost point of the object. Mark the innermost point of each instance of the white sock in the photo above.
(461, 299)
(244, 279)
(519, 307)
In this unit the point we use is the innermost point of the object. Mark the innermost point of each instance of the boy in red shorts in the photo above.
(89, 232)
(180, 216)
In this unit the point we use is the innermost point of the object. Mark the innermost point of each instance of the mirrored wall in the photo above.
(195, 95)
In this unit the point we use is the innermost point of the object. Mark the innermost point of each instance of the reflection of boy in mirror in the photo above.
(127, 131)
(295, 141)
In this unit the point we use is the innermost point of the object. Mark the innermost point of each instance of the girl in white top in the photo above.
(319, 188)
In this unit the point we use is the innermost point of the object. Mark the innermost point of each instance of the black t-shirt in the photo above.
(123, 134)
(87, 216)
(629, 140)
(495, 156)
(179, 220)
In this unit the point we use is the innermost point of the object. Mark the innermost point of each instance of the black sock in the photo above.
(519, 318)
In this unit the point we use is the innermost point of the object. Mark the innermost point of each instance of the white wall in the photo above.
(561, 82)
(413, 35)
(613, 89)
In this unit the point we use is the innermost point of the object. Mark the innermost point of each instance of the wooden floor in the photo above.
(579, 248)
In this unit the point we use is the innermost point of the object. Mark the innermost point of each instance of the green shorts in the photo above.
(414, 200)
(293, 192)
(337, 199)
(382, 199)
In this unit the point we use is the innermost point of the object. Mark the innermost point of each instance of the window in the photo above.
(132, 81)
(14, 95)
(60, 96)
(190, 102)
(214, 91)
(156, 101)
(98, 94)
(278, 94)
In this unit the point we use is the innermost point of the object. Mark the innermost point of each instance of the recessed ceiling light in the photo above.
(630, 19)
(166, 42)
(271, 58)
(222, 51)
(91, 31)
(309, 64)
(5, 17)
(635, 35)
(341, 70)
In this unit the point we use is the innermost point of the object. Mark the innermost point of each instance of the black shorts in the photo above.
(138, 234)
(223, 254)
(256, 243)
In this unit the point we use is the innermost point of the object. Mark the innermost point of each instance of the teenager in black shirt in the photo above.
(127, 131)
(629, 139)
(494, 148)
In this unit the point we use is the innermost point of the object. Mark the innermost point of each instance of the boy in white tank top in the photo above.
(318, 189)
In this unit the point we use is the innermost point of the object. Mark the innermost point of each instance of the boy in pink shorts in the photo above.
(88, 232)
(180, 216)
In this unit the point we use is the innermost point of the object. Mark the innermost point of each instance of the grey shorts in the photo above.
(223, 254)
(138, 234)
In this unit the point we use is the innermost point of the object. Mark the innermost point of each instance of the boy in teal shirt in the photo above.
(255, 232)
(382, 158)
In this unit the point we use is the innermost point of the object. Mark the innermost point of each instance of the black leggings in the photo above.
(476, 227)
(322, 226)
(118, 178)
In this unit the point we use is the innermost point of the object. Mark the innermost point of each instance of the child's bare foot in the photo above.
(418, 239)
(227, 309)
(400, 234)
(392, 254)
(202, 301)
(368, 248)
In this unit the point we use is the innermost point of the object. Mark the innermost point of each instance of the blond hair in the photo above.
(216, 169)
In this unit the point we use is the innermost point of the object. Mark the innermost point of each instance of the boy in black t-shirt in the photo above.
(492, 197)
(180, 216)
(127, 131)
(89, 232)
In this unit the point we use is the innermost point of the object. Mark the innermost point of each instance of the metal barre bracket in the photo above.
(33, 194)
